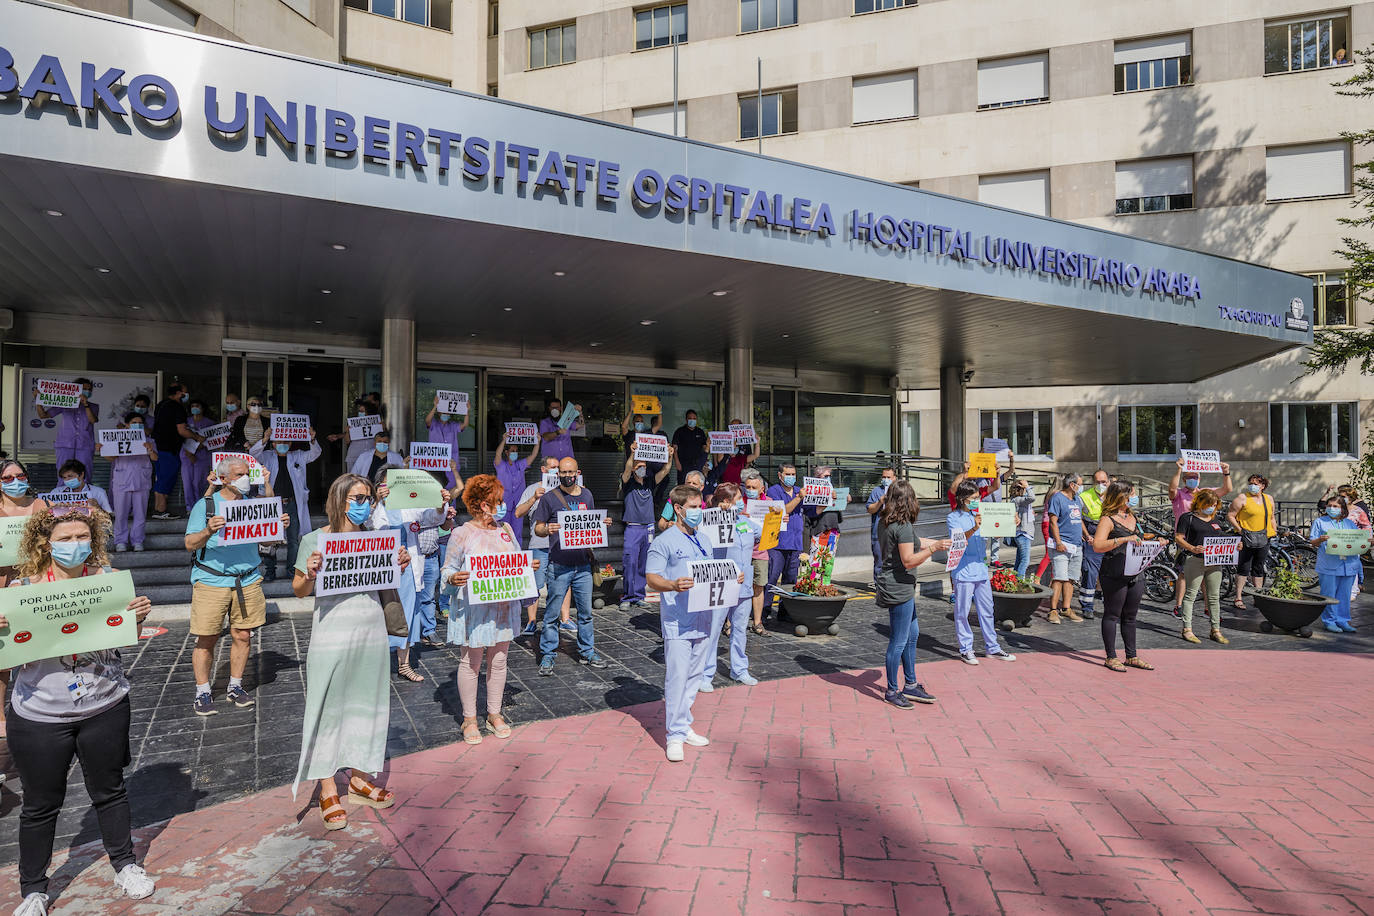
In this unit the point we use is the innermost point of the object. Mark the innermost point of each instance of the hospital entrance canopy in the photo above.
(213, 181)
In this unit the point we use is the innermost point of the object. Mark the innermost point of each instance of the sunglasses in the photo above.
(360, 500)
(70, 509)
(23, 477)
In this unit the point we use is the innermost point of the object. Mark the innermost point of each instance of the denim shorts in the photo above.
(1066, 568)
(167, 472)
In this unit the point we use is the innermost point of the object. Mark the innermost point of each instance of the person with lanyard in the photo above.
(131, 480)
(74, 488)
(570, 570)
(195, 458)
(1252, 514)
(665, 518)
(445, 427)
(753, 488)
(558, 439)
(1336, 575)
(1121, 593)
(482, 630)
(170, 432)
(539, 547)
(250, 427)
(1183, 489)
(744, 457)
(1190, 533)
(354, 447)
(76, 432)
(510, 471)
(1065, 547)
(690, 440)
(291, 487)
(875, 515)
(972, 581)
(746, 535)
(685, 633)
(224, 581)
(71, 707)
(637, 492)
(381, 456)
(784, 559)
(1092, 560)
(901, 552)
(347, 690)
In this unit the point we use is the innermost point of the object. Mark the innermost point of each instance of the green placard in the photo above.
(413, 490)
(11, 533)
(1346, 542)
(70, 617)
(996, 520)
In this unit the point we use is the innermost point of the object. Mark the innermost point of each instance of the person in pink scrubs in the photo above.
(76, 427)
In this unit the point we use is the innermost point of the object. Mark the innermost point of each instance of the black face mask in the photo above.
(745, 449)
(568, 482)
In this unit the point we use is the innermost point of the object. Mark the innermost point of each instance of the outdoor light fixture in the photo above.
(339, 246)
(53, 212)
(721, 292)
(594, 343)
(326, 291)
(508, 309)
(560, 273)
(648, 321)
(101, 270)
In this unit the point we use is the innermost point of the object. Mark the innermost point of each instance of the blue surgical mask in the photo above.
(15, 488)
(140, 410)
(1191, 483)
(754, 494)
(359, 513)
(691, 517)
(789, 480)
(382, 448)
(1253, 489)
(69, 554)
(195, 411)
(71, 483)
(135, 425)
(283, 447)
(691, 423)
(444, 417)
(362, 412)
(228, 408)
(1333, 511)
(500, 512)
(1133, 501)
(639, 427)
(85, 392)
(184, 397)
(1207, 513)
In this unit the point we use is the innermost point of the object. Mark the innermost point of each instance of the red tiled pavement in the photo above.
(1238, 782)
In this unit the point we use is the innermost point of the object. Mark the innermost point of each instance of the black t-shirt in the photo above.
(895, 583)
(378, 462)
(1194, 528)
(691, 447)
(170, 414)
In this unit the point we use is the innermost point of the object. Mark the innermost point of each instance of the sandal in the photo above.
(371, 794)
(333, 813)
(429, 643)
(500, 731)
(1140, 663)
(472, 733)
(1188, 636)
(1115, 664)
(409, 674)
(757, 629)
(726, 629)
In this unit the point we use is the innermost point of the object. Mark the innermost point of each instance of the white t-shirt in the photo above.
(536, 542)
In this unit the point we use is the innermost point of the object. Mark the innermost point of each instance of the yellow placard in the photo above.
(982, 465)
(647, 404)
(772, 524)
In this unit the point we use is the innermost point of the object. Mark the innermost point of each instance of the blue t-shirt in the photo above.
(1069, 512)
(639, 501)
(972, 567)
(874, 496)
(235, 560)
(547, 511)
(670, 556)
(1329, 564)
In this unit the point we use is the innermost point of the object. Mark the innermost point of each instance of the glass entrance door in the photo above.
(266, 378)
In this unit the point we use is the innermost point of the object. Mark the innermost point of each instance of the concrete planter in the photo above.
(1012, 610)
(1293, 615)
(812, 614)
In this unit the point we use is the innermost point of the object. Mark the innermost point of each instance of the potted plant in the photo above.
(605, 582)
(1286, 606)
(1015, 598)
(813, 603)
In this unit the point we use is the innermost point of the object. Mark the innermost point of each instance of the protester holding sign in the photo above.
(347, 694)
(1065, 548)
(1200, 522)
(539, 547)
(481, 629)
(875, 510)
(901, 552)
(131, 480)
(784, 559)
(1120, 593)
(745, 454)
(74, 488)
(690, 440)
(447, 427)
(972, 581)
(195, 458)
(381, 456)
(1183, 487)
(362, 426)
(637, 492)
(510, 471)
(556, 436)
(76, 431)
(292, 457)
(753, 489)
(570, 569)
(71, 707)
(1336, 575)
(1252, 513)
(746, 537)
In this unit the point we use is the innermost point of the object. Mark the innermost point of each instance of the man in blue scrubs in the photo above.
(784, 558)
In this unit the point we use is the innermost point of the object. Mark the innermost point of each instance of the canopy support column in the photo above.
(398, 378)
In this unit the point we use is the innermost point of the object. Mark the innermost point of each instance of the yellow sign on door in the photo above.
(647, 404)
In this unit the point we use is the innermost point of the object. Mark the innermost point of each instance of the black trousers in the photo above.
(1120, 604)
(43, 753)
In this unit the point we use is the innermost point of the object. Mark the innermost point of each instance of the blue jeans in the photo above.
(541, 575)
(424, 607)
(901, 643)
(1092, 565)
(1023, 546)
(782, 570)
(561, 579)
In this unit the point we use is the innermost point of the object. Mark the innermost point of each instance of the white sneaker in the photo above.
(747, 679)
(138, 548)
(707, 685)
(1004, 656)
(135, 883)
(674, 755)
(120, 548)
(968, 658)
(33, 905)
(696, 740)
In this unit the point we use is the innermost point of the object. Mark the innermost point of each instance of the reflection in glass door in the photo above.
(512, 397)
(266, 379)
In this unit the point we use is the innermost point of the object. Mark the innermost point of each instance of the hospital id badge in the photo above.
(79, 685)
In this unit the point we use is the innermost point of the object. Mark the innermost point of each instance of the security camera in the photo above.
(968, 376)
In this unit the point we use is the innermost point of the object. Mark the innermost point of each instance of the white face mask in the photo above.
(241, 484)
(1101, 488)
(254, 409)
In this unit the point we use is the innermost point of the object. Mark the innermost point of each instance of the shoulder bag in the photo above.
(1256, 539)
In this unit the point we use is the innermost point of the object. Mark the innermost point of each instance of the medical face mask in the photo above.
(255, 409)
(195, 411)
(789, 480)
(444, 417)
(135, 425)
(510, 454)
(228, 408)
(382, 447)
(241, 484)
(1133, 501)
(1253, 489)
(68, 554)
(554, 412)
(362, 412)
(568, 481)
(639, 472)
(887, 482)
(140, 410)
(639, 427)
(691, 517)
(15, 488)
(1101, 488)
(1207, 513)
(283, 447)
(691, 423)
(71, 483)
(500, 512)
(1333, 511)
(359, 513)
(1191, 483)
(754, 494)
(85, 392)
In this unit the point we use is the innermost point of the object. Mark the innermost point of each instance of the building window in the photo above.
(1154, 63)
(1154, 185)
(778, 114)
(1155, 432)
(434, 13)
(1330, 300)
(553, 45)
(660, 26)
(660, 118)
(1010, 81)
(493, 19)
(755, 15)
(359, 65)
(911, 432)
(491, 90)
(1322, 430)
(1307, 44)
(885, 98)
(1026, 191)
(163, 13)
(1029, 433)
(874, 6)
(1308, 170)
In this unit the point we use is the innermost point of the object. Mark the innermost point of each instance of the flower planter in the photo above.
(1293, 615)
(603, 593)
(813, 614)
(1016, 609)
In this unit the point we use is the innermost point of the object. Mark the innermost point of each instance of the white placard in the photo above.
(52, 393)
(117, 442)
(758, 509)
(582, 528)
(549, 480)
(1220, 551)
(715, 585)
(250, 521)
(64, 497)
(817, 491)
(454, 403)
(521, 433)
(718, 526)
(958, 544)
(290, 427)
(431, 456)
(998, 447)
(359, 561)
(1201, 461)
(650, 448)
(497, 577)
(217, 435)
(1139, 556)
(360, 428)
(257, 474)
(721, 443)
(743, 433)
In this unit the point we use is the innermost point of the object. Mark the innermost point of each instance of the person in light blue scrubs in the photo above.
(1336, 576)
(747, 533)
(972, 581)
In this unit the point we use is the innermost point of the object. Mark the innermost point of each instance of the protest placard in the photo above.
(1201, 461)
(549, 479)
(650, 448)
(61, 496)
(982, 465)
(1224, 551)
(582, 528)
(257, 474)
(996, 520)
(956, 551)
(52, 393)
(453, 402)
(715, 583)
(647, 404)
(412, 489)
(568, 416)
(11, 533)
(65, 618)
(758, 510)
(217, 435)
(431, 456)
(496, 577)
(744, 434)
(521, 432)
(718, 526)
(1140, 555)
(721, 443)
(840, 499)
(1346, 542)
(360, 428)
(250, 521)
(998, 448)
(817, 491)
(290, 427)
(117, 442)
(358, 561)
